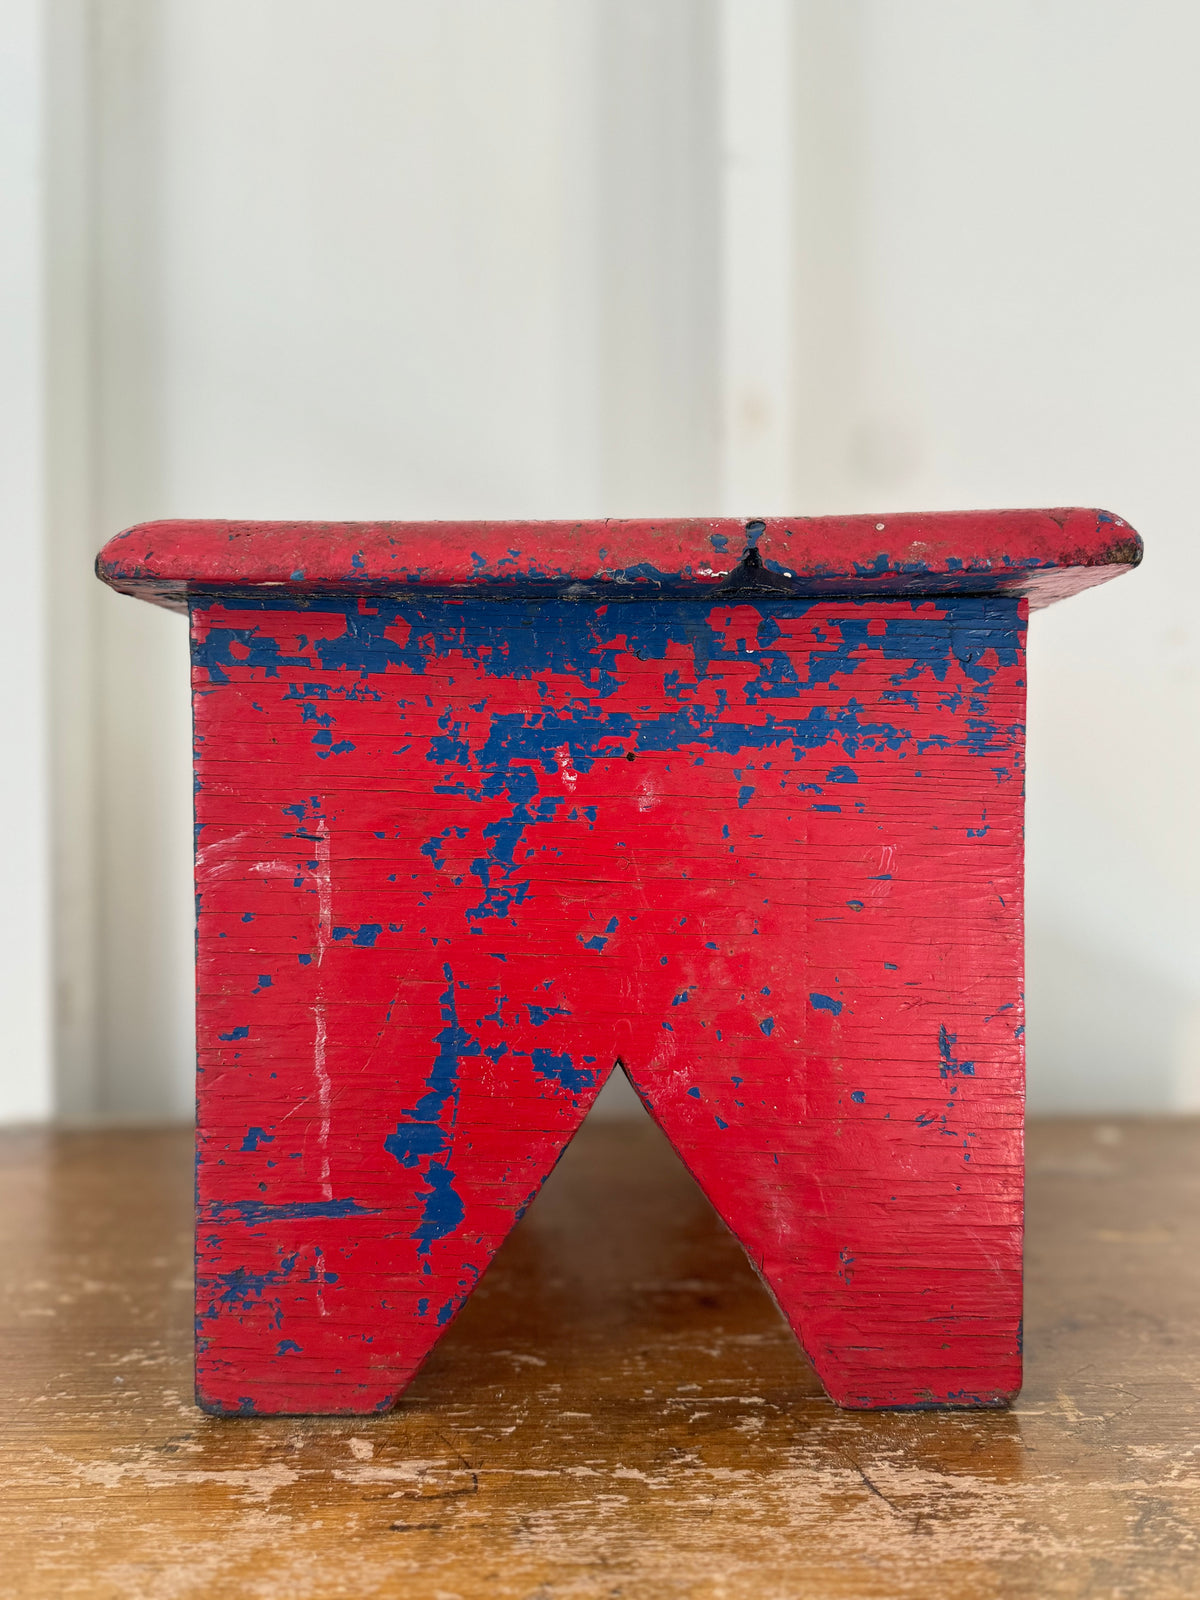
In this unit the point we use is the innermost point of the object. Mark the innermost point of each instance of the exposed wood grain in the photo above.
(618, 1412)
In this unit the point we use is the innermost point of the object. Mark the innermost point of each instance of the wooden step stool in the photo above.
(483, 809)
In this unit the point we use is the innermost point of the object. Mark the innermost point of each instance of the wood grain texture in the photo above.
(619, 1411)
(456, 859)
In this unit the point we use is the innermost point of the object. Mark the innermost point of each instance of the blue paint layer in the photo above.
(950, 1068)
(254, 1212)
(561, 1069)
(443, 1209)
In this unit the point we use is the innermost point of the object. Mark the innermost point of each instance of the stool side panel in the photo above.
(455, 860)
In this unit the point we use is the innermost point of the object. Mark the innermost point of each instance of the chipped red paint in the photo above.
(457, 858)
(1043, 555)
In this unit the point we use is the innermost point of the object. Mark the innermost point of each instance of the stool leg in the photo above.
(847, 1083)
(859, 1124)
(348, 1206)
(380, 1090)
(882, 1210)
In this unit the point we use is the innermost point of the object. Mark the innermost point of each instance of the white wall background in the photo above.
(390, 258)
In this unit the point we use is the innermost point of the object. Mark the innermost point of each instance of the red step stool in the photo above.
(483, 809)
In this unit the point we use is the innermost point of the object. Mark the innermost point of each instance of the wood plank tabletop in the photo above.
(618, 1412)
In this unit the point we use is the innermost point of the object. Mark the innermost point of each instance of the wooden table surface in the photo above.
(618, 1412)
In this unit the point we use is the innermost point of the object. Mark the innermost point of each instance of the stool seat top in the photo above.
(1040, 555)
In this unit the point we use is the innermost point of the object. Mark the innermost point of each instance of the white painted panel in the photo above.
(658, 254)
(25, 984)
(71, 531)
(362, 261)
(758, 260)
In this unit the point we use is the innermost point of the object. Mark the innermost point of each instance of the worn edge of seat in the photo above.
(1043, 556)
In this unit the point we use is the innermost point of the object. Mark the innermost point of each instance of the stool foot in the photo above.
(901, 1279)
